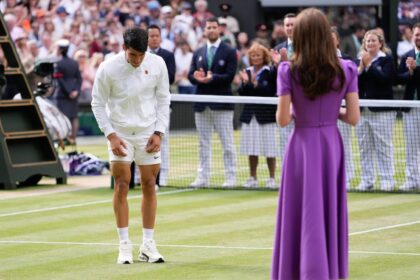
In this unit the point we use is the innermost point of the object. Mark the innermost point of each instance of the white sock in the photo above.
(147, 234)
(123, 234)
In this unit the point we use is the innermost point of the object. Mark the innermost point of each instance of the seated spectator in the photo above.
(88, 76)
(232, 22)
(201, 14)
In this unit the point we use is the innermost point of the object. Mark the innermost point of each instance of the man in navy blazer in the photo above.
(212, 70)
(288, 22)
(154, 41)
(409, 74)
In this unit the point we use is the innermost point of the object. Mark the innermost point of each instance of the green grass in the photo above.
(184, 159)
(204, 234)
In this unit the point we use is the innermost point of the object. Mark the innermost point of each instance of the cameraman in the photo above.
(69, 82)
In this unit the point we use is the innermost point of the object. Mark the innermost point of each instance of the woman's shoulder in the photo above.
(349, 66)
(284, 67)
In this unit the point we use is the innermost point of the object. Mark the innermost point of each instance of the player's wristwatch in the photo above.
(158, 133)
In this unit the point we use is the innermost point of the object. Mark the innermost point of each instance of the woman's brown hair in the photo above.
(315, 58)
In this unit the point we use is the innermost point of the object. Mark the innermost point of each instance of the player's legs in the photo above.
(122, 174)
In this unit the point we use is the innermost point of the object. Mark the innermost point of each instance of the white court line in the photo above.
(189, 246)
(384, 228)
(84, 204)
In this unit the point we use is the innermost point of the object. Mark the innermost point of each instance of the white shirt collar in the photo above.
(380, 54)
(252, 68)
(215, 44)
(289, 41)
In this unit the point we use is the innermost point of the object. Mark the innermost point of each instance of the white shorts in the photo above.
(136, 149)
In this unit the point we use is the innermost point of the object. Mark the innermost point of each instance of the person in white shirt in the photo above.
(130, 101)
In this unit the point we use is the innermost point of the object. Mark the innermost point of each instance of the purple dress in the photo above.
(311, 236)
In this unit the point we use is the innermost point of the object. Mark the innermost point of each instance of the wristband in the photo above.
(158, 133)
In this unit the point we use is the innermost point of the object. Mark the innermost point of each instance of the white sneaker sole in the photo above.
(145, 258)
(124, 261)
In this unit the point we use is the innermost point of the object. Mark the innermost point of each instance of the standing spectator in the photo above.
(154, 47)
(284, 52)
(131, 105)
(351, 44)
(311, 236)
(374, 131)
(183, 59)
(232, 22)
(258, 136)
(69, 82)
(409, 74)
(212, 70)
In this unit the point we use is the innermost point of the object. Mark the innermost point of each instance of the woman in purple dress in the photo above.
(311, 237)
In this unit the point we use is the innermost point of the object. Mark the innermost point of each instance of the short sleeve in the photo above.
(284, 79)
(350, 70)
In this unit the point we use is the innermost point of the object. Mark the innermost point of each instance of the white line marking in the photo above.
(84, 204)
(384, 253)
(187, 246)
(384, 228)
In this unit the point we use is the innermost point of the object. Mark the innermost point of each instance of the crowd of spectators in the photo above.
(94, 29)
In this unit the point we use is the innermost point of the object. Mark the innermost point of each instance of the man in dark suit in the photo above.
(351, 43)
(212, 70)
(154, 42)
(69, 84)
(286, 48)
(409, 74)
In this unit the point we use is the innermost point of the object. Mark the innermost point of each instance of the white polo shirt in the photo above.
(126, 98)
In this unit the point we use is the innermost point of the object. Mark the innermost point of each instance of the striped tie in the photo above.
(210, 56)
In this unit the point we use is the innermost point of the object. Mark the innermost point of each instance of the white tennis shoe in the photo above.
(270, 183)
(251, 182)
(125, 255)
(149, 253)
